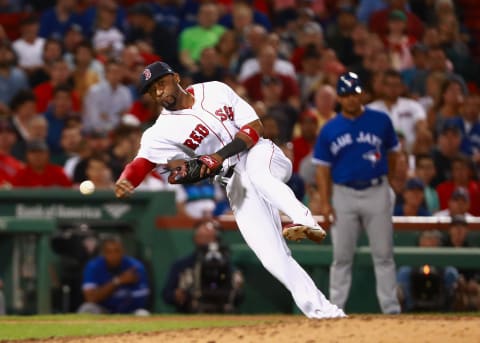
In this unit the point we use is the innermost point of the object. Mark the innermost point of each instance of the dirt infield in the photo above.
(280, 329)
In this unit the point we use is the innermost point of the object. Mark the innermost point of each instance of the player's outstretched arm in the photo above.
(247, 137)
(132, 176)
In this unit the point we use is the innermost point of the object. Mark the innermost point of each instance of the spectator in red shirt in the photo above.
(459, 203)
(379, 20)
(303, 144)
(9, 166)
(59, 75)
(290, 90)
(397, 42)
(39, 172)
(144, 109)
(461, 178)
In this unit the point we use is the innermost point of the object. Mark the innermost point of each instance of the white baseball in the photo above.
(87, 187)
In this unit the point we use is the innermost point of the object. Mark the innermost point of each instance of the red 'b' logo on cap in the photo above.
(147, 73)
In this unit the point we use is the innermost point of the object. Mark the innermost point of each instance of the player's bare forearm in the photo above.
(324, 184)
(392, 162)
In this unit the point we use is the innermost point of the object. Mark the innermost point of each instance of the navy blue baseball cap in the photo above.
(153, 72)
(349, 83)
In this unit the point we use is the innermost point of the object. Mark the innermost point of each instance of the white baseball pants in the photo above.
(257, 192)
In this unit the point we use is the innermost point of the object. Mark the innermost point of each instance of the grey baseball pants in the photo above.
(371, 210)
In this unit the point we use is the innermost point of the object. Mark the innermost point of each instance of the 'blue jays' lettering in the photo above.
(341, 142)
(346, 139)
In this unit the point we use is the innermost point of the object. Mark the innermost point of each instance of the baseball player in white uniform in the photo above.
(210, 120)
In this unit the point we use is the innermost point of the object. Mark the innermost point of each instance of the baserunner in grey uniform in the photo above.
(351, 157)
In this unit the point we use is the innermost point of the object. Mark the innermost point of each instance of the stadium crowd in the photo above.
(71, 111)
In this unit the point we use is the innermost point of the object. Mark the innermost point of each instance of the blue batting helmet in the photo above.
(349, 83)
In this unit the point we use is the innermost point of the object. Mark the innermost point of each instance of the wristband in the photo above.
(250, 132)
(210, 162)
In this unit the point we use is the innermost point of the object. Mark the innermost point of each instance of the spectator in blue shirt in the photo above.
(55, 21)
(58, 114)
(413, 200)
(167, 13)
(89, 17)
(114, 282)
(12, 78)
(469, 124)
(366, 8)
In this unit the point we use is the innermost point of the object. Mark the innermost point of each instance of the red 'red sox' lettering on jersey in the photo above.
(224, 113)
(196, 136)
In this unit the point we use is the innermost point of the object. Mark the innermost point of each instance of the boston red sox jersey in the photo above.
(216, 116)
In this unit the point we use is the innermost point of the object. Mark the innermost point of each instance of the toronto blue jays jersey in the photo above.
(126, 298)
(356, 149)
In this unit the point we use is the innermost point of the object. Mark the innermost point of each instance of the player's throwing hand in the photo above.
(123, 188)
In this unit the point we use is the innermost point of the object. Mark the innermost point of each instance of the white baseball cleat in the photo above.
(297, 232)
(332, 314)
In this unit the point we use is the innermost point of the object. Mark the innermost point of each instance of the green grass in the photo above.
(16, 327)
